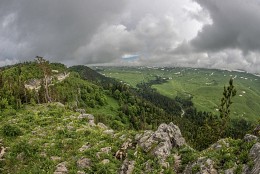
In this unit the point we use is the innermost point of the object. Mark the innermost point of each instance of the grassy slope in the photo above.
(50, 131)
(206, 87)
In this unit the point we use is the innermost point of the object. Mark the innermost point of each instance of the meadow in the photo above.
(205, 86)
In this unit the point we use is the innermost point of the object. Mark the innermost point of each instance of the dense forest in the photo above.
(140, 108)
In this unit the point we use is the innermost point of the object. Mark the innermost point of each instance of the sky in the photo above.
(190, 33)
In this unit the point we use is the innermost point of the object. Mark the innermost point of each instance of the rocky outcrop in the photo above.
(249, 138)
(89, 117)
(127, 167)
(255, 154)
(160, 142)
(122, 152)
(219, 144)
(201, 166)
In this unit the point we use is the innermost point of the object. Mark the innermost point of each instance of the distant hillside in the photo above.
(205, 86)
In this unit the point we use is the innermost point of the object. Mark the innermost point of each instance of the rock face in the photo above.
(255, 154)
(201, 166)
(127, 167)
(160, 142)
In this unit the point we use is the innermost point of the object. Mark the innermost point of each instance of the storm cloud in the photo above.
(236, 24)
(196, 33)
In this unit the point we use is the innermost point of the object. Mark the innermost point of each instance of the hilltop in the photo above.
(61, 120)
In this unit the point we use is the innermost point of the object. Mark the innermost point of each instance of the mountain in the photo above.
(61, 120)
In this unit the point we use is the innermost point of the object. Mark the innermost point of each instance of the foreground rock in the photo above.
(127, 167)
(84, 163)
(161, 142)
(61, 168)
(2, 150)
(249, 138)
(201, 166)
(255, 154)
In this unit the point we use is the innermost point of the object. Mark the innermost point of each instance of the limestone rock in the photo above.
(2, 151)
(84, 147)
(105, 150)
(80, 172)
(59, 104)
(86, 116)
(105, 161)
(160, 142)
(102, 126)
(249, 138)
(109, 132)
(82, 111)
(255, 154)
(127, 167)
(83, 163)
(219, 144)
(92, 123)
(61, 168)
(55, 158)
(231, 170)
(205, 166)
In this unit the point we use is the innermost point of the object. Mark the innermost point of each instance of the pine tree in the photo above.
(224, 109)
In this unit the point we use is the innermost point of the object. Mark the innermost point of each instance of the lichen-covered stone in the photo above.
(255, 154)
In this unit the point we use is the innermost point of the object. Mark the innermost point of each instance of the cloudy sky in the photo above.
(193, 33)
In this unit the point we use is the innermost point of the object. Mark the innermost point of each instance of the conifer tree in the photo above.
(224, 109)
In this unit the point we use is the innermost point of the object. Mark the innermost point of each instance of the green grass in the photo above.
(204, 85)
(41, 132)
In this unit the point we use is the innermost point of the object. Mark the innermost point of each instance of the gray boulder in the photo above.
(255, 154)
(127, 167)
(249, 138)
(83, 163)
(82, 111)
(160, 142)
(84, 147)
(219, 144)
(61, 168)
(86, 116)
(203, 165)
(102, 126)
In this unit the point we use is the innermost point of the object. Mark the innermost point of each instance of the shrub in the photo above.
(11, 130)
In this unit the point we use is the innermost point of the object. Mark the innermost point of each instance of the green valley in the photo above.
(204, 86)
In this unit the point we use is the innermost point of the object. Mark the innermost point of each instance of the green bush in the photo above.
(11, 130)
(29, 150)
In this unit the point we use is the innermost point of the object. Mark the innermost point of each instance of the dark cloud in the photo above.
(196, 33)
(52, 28)
(235, 24)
